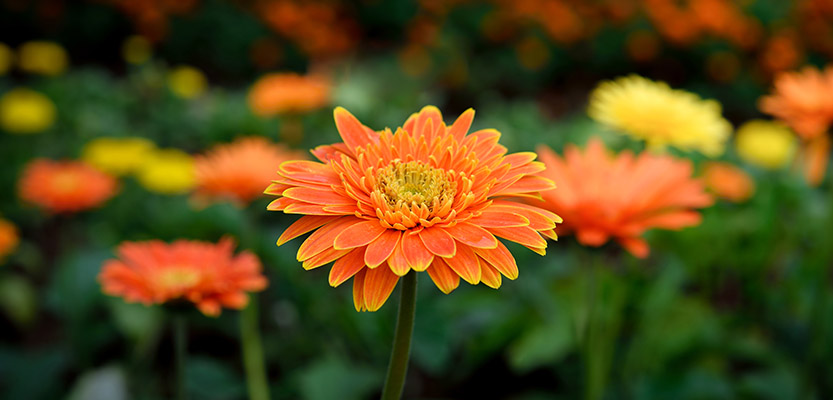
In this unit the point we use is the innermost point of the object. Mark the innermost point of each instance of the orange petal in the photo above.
(636, 246)
(438, 241)
(304, 225)
(591, 237)
(358, 290)
(380, 249)
(315, 196)
(501, 259)
(461, 126)
(472, 235)
(523, 235)
(397, 261)
(489, 275)
(445, 279)
(351, 130)
(493, 219)
(415, 252)
(324, 237)
(309, 171)
(465, 264)
(378, 285)
(325, 257)
(345, 267)
(359, 234)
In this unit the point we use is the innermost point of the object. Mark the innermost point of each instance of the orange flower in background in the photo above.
(9, 238)
(206, 274)
(241, 170)
(281, 93)
(427, 197)
(804, 100)
(728, 181)
(603, 197)
(65, 186)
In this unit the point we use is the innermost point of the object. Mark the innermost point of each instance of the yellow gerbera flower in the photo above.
(118, 156)
(652, 111)
(168, 171)
(187, 82)
(26, 111)
(42, 57)
(765, 144)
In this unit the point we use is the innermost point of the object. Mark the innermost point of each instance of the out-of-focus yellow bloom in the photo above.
(168, 171)
(26, 111)
(187, 82)
(661, 116)
(765, 144)
(9, 238)
(136, 49)
(118, 156)
(42, 57)
(6, 59)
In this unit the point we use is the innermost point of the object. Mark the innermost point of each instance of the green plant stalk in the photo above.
(180, 344)
(253, 353)
(401, 352)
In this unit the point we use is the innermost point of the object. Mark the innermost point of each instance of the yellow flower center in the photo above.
(65, 182)
(410, 193)
(178, 278)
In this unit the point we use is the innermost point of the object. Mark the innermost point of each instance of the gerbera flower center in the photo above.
(178, 278)
(414, 184)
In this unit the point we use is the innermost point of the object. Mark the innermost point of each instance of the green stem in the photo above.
(180, 344)
(253, 353)
(398, 367)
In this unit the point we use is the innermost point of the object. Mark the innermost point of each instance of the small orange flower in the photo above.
(282, 93)
(428, 197)
(728, 181)
(206, 274)
(65, 186)
(601, 196)
(8, 238)
(804, 100)
(241, 170)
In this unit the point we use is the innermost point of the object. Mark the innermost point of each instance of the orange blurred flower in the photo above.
(425, 198)
(241, 170)
(804, 100)
(320, 29)
(281, 93)
(728, 181)
(9, 238)
(206, 274)
(601, 196)
(65, 186)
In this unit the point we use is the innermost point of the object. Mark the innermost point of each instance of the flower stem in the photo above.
(401, 352)
(253, 353)
(180, 344)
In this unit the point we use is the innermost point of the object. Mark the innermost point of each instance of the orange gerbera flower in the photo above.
(288, 93)
(601, 196)
(804, 100)
(728, 181)
(65, 186)
(8, 238)
(206, 274)
(241, 170)
(425, 198)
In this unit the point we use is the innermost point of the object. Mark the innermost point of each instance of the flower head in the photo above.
(167, 171)
(118, 156)
(804, 100)
(728, 181)
(42, 57)
(9, 238)
(26, 111)
(241, 170)
(765, 144)
(206, 274)
(288, 93)
(65, 186)
(652, 111)
(427, 197)
(603, 197)
(187, 82)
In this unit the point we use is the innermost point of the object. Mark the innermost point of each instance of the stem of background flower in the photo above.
(401, 352)
(180, 344)
(253, 353)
